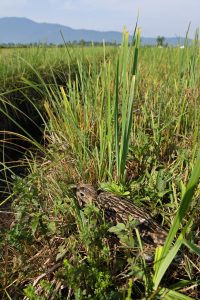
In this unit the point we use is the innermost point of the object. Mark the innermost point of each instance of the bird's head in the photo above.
(85, 193)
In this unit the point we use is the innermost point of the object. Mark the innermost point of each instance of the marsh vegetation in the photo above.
(125, 119)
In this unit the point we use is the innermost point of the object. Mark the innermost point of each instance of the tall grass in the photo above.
(95, 114)
(125, 119)
(166, 255)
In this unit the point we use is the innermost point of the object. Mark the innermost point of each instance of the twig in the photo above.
(44, 275)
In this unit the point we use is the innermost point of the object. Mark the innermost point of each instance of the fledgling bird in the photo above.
(119, 210)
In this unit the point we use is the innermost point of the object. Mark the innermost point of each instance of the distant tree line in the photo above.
(50, 45)
(160, 42)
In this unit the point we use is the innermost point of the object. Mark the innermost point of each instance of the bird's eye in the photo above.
(82, 194)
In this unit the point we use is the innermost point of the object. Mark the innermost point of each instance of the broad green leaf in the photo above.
(167, 294)
(118, 228)
(165, 263)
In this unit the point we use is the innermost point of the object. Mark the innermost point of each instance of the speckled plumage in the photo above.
(120, 210)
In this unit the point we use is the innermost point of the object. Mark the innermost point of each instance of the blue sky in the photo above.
(157, 17)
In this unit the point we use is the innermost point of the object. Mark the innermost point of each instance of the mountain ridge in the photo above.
(25, 31)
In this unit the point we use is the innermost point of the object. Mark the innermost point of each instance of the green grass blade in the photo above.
(168, 294)
(116, 121)
(192, 247)
(166, 259)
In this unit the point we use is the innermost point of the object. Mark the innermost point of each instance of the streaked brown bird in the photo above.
(119, 210)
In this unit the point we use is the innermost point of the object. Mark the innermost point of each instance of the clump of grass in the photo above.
(95, 116)
(71, 253)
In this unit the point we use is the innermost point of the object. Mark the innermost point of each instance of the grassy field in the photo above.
(125, 119)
